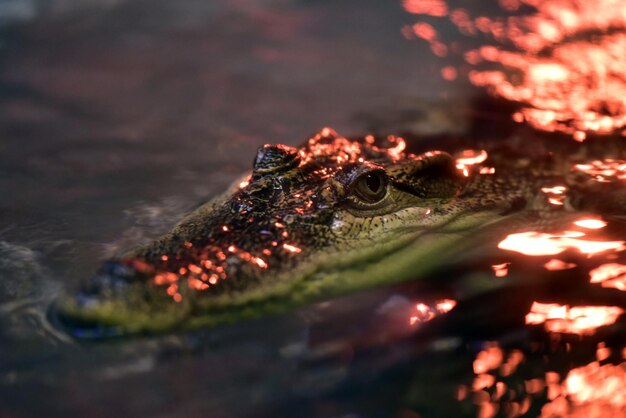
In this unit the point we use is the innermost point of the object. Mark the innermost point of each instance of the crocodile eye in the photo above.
(371, 187)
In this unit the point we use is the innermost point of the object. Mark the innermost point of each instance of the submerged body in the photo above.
(330, 217)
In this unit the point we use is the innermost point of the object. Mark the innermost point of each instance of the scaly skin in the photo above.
(305, 226)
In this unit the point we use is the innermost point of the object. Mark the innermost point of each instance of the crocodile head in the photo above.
(332, 216)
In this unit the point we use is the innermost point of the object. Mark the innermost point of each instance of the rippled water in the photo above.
(119, 116)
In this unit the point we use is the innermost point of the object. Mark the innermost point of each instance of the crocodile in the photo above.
(332, 216)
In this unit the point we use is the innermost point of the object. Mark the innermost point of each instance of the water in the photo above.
(119, 116)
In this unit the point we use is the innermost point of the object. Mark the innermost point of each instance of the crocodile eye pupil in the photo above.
(371, 187)
(374, 182)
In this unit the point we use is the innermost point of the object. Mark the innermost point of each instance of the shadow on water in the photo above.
(119, 117)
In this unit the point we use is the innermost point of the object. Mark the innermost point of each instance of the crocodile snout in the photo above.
(118, 300)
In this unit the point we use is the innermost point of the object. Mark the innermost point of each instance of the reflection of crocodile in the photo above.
(333, 216)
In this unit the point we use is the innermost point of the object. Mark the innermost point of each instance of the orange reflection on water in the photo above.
(590, 223)
(445, 305)
(572, 320)
(556, 264)
(510, 365)
(488, 359)
(602, 352)
(471, 157)
(501, 270)
(539, 243)
(604, 170)
(563, 62)
(424, 313)
(594, 382)
(591, 391)
(468, 158)
(572, 85)
(610, 275)
(557, 201)
(554, 190)
(426, 7)
(490, 392)
(556, 194)
(449, 73)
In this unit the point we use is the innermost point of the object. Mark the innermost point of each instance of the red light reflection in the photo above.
(501, 270)
(604, 171)
(593, 390)
(489, 392)
(488, 359)
(424, 313)
(565, 65)
(556, 194)
(535, 243)
(427, 7)
(610, 275)
(556, 264)
(590, 223)
(572, 320)
(468, 158)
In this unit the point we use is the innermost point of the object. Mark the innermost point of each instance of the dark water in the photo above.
(119, 116)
